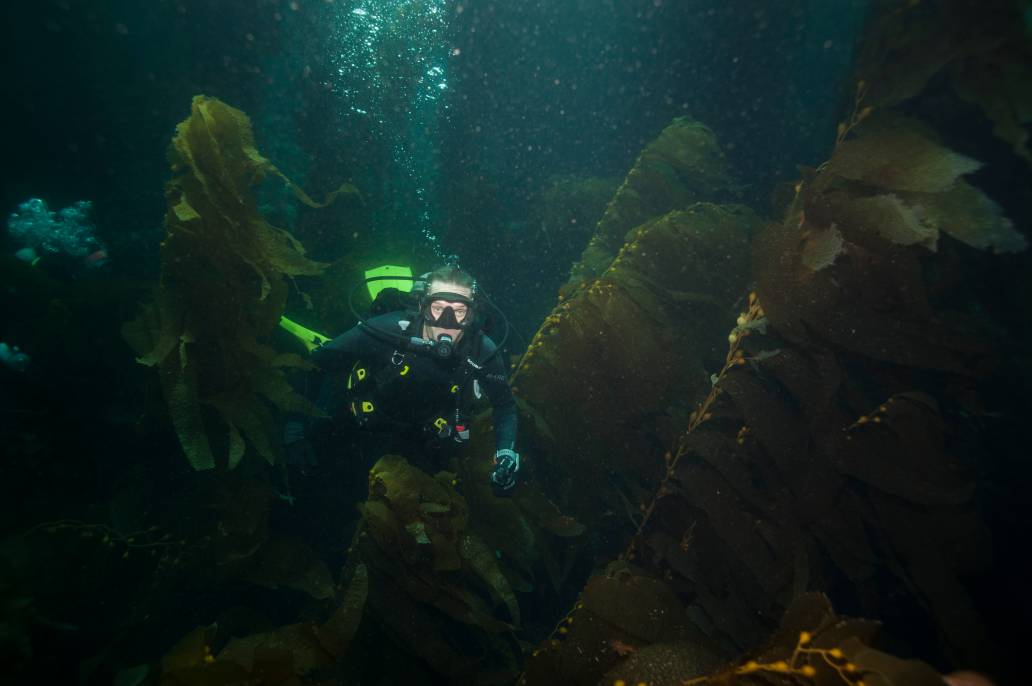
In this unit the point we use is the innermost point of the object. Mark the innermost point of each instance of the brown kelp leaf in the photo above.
(191, 650)
(997, 81)
(180, 387)
(897, 154)
(283, 252)
(537, 420)
(272, 357)
(822, 247)
(663, 663)
(810, 611)
(390, 537)
(253, 420)
(336, 633)
(482, 561)
(909, 218)
(289, 563)
(419, 629)
(732, 461)
(217, 673)
(237, 447)
(812, 377)
(904, 46)
(404, 490)
(142, 333)
(677, 275)
(777, 425)
(545, 514)
(824, 630)
(223, 287)
(792, 477)
(500, 522)
(277, 390)
(157, 331)
(294, 646)
(926, 554)
(846, 538)
(970, 216)
(735, 524)
(900, 448)
(808, 631)
(586, 652)
(462, 604)
(882, 669)
(889, 217)
(641, 605)
(243, 521)
(263, 163)
(683, 165)
(874, 304)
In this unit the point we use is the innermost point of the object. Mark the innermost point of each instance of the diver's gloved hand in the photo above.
(503, 478)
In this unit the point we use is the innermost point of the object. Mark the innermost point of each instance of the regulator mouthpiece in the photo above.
(445, 346)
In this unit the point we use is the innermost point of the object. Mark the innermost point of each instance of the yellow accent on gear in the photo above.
(440, 423)
(367, 406)
(311, 339)
(404, 371)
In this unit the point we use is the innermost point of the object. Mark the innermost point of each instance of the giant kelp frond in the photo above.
(895, 154)
(682, 166)
(223, 287)
(970, 216)
(998, 83)
(980, 50)
(894, 179)
(814, 646)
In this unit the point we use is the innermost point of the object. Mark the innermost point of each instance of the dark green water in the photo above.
(499, 133)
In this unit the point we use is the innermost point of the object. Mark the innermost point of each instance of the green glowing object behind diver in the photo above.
(313, 339)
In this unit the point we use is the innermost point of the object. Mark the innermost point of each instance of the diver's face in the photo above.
(436, 308)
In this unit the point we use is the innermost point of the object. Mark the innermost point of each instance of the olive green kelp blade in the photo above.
(223, 287)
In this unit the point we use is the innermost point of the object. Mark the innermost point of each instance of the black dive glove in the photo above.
(503, 478)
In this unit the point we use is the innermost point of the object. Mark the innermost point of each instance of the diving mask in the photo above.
(448, 310)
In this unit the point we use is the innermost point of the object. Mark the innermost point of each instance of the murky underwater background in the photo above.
(765, 266)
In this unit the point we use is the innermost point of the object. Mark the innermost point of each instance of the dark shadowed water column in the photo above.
(389, 74)
(541, 90)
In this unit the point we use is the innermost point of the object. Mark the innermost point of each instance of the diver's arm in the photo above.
(506, 460)
(321, 387)
(362, 342)
(503, 404)
(342, 351)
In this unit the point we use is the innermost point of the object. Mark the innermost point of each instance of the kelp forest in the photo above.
(768, 440)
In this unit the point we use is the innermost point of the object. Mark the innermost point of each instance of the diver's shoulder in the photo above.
(398, 321)
(487, 346)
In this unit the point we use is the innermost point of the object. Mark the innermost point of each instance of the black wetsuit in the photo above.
(406, 391)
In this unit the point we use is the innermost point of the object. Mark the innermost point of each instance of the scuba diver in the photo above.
(409, 376)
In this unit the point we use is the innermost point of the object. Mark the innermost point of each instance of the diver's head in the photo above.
(448, 307)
